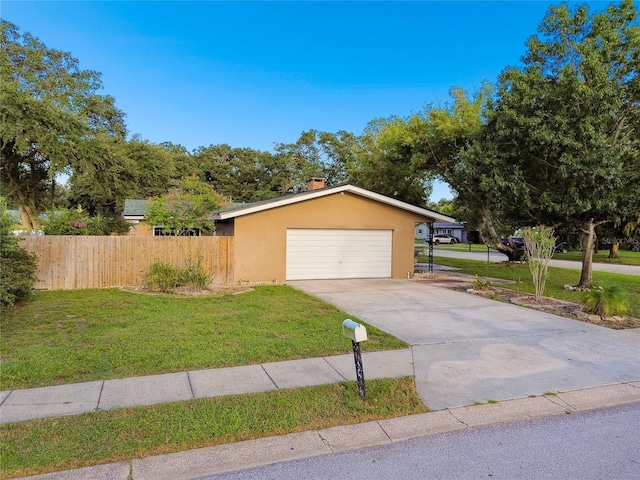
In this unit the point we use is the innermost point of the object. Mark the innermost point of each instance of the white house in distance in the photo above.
(455, 229)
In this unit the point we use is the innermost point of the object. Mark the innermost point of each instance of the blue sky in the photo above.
(252, 74)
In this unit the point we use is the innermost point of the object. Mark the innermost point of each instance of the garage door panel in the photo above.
(326, 253)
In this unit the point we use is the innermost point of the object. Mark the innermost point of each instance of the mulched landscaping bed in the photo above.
(465, 283)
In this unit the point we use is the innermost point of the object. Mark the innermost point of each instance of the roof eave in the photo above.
(331, 191)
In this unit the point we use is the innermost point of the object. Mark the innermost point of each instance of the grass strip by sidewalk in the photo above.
(39, 446)
(76, 336)
(557, 279)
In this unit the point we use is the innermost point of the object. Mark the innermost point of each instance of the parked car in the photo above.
(444, 238)
(517, 241)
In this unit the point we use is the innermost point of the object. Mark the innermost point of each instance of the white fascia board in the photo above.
(133, 217)
(403, 205)
(332, 191)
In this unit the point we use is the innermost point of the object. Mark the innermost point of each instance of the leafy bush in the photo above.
(163, 277)
(75, 221)
(480, 284)
(166, 278)
(17, 266)
(606, 301)
(193, 275)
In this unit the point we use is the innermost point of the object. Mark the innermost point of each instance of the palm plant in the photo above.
(606, 301)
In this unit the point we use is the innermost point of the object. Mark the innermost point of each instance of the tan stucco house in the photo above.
(322, 233)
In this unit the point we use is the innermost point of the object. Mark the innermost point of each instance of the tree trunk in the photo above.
(586, 277)
(25, 195)
(513, 253)
(613, 250)
(29, 217)
(25, 221)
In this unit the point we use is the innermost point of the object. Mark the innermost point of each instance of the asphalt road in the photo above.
(599, 444)
(495, 256)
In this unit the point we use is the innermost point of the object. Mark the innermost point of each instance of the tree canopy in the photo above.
(431, 144)
(242, 175)
(369, 160)
(188, 205)
(563, 137)
(52, 119)
(136, 169)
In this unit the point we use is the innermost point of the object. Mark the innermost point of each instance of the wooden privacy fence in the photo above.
(75, 262)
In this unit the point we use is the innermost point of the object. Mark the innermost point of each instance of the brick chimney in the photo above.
(314, 184)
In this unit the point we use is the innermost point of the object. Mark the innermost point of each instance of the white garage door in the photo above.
(324, 253)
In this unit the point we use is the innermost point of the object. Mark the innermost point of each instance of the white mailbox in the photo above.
(355, 331)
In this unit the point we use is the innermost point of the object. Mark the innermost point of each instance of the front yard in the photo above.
(75, 336)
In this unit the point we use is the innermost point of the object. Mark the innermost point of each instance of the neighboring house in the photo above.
(451, 228)
(134, 212)
(322, 233)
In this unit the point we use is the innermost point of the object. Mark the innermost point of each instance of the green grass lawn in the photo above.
(462, 247)
(557, 279)
(75, 336)
(625, 257)
(456, 247)
(28, 448)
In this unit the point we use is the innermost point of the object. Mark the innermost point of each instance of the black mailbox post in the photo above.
(357, 333)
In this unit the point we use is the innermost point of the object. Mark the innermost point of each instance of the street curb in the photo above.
(196, 463)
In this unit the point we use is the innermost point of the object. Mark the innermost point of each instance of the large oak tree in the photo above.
(136, 169)
(52, 120)
(563, 139)
(242, 175)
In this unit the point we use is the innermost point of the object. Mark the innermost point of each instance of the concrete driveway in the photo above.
(469, 349)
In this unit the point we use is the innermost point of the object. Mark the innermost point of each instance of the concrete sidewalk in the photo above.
(73, 399)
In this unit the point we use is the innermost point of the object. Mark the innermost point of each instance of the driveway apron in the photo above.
(469, 349)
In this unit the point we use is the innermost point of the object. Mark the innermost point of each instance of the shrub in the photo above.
(17, 266)
(167, 278)
(193, 275)
(76, 222)
(163, 277)
(539, 245)
(606, 301)
(480, 284)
